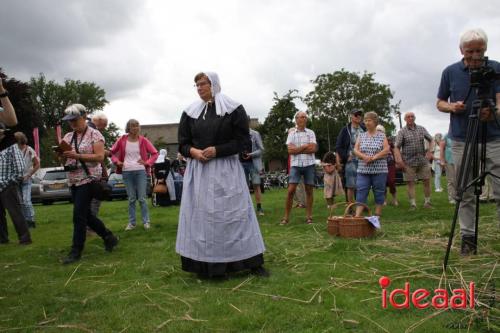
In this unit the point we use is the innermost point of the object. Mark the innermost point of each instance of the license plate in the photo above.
(56, 186)
(120, 185)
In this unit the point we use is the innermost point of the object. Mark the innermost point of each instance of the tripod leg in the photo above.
(464, 171)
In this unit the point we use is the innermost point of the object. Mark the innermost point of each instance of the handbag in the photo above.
(100, 189)
(160, 188)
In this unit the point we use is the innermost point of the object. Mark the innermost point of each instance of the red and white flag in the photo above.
(36, 140)
(58, 133)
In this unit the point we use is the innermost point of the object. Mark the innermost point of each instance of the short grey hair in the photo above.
(99, 116)
(473, 35)
(297, 113)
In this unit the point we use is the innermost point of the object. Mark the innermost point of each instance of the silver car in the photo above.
(53, 186)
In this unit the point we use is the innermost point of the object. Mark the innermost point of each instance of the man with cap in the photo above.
(11, 173)
(344, 151)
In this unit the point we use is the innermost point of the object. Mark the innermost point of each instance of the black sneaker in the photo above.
(25, 242)
(468, 246)
(110, 242)
(260, 271)
(73, 256)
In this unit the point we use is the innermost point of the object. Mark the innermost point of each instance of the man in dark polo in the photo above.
(453, 89)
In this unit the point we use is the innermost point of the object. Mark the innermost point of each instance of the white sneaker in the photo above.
(439, 190)
(146, 226)
(130, 227)
(452, 201)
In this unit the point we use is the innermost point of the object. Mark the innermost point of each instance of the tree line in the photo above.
(41, 103)
(328, 105)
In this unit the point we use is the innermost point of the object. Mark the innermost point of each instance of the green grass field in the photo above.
(318, 283)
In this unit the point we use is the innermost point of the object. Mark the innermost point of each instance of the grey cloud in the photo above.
(48, 36)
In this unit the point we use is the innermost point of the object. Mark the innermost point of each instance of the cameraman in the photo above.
(453, 89)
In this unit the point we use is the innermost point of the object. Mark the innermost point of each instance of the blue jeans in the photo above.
(26, 205)
(351, 170)
(374, 181)
(136, 183)
(437, 175)
(307, 172)
(82, 217)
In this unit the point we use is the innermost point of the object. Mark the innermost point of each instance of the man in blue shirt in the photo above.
(453, 90)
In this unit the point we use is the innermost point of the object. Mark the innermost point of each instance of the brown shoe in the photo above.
(427, 205)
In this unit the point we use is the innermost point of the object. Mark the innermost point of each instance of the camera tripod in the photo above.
(473, 165)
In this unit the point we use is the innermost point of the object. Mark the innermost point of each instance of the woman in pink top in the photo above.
(134, 155)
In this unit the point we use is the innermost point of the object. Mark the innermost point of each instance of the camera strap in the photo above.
(73, 140)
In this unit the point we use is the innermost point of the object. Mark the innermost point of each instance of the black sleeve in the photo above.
(240, 134)
(184, 136)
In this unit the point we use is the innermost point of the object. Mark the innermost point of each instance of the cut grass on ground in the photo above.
(318, 283)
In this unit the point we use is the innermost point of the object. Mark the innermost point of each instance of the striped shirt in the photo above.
(371, 145)
(411, 142)
(11, 166)
(298, 139)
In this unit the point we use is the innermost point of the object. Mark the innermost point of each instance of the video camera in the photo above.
(483, 77)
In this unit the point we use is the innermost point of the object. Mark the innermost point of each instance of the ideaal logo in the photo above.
(440, 299)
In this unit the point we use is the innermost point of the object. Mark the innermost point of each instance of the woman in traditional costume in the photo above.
(218, 230)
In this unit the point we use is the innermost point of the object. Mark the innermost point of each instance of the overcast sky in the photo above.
(144, 54)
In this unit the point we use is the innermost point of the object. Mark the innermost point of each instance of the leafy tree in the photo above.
(19, 95)
(160, 143)
(111, 134)
(51, 98)
(335, 94)
(275, 128)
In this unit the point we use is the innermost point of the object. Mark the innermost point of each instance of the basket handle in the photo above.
(335, 205)
(357, 204)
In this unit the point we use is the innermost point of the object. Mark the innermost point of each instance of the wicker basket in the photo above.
(332, 225)
(355, 227)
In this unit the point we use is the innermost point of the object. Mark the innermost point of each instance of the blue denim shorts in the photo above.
(351, 170)
(251, 173)
(296, 172)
